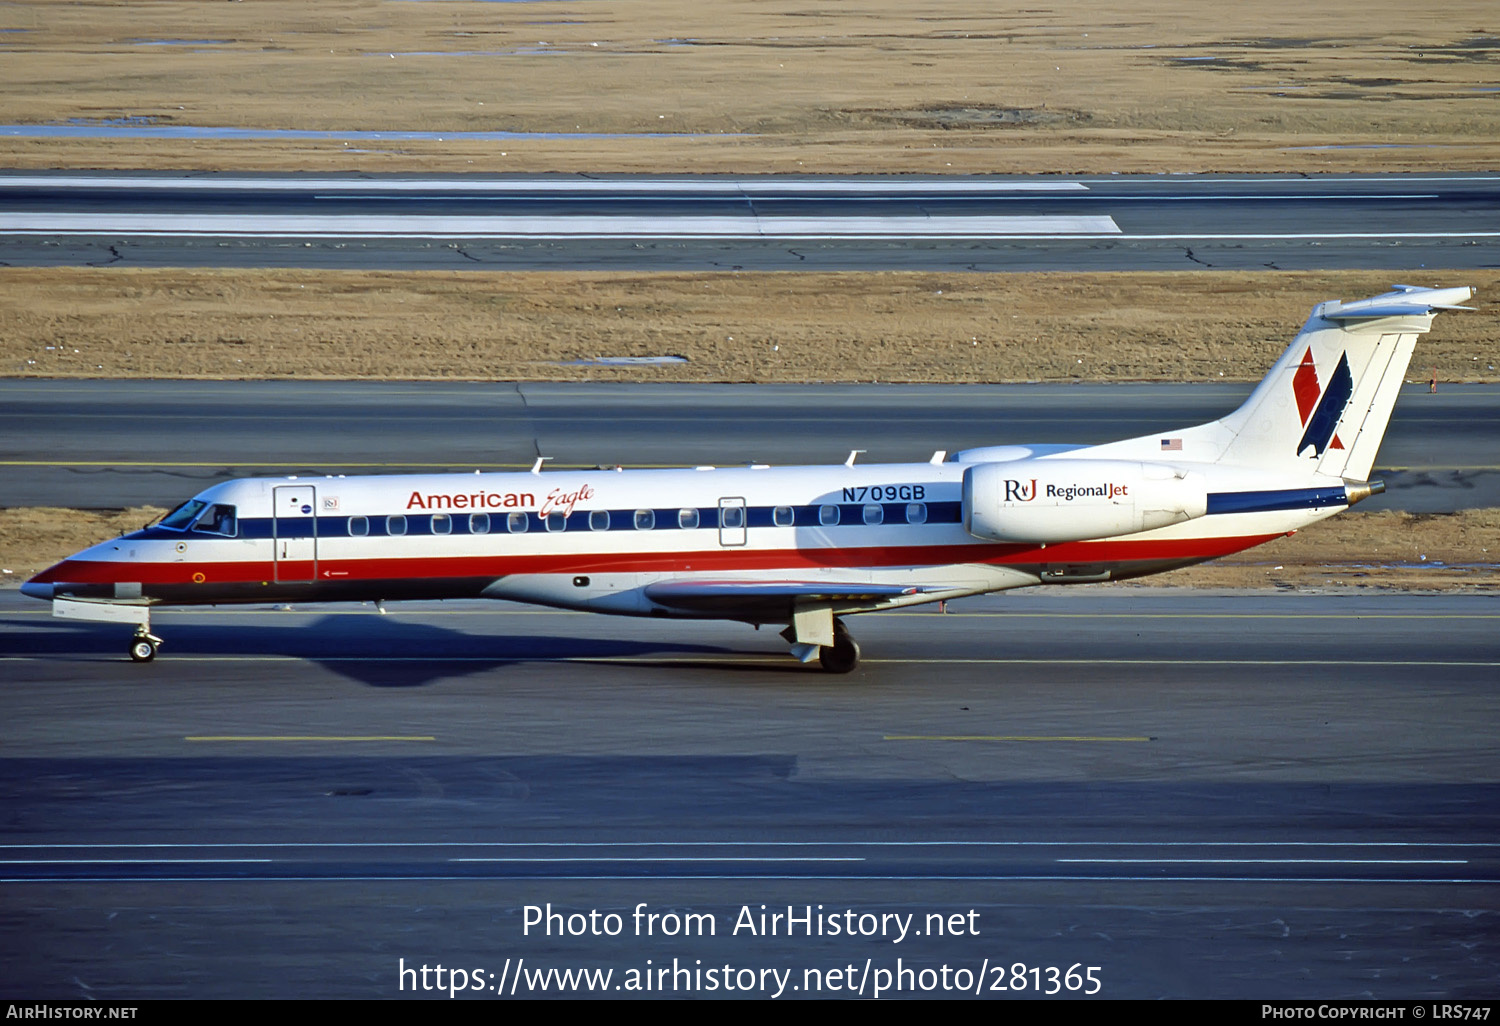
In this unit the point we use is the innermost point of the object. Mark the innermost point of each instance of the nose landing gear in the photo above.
(143, 646)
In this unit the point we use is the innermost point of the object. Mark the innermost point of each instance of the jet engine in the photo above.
(1059, 500)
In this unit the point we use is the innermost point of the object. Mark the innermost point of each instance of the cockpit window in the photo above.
(218, 519)
(182, 516)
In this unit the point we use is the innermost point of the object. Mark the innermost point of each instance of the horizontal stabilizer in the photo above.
(1402, 301)
(1392, 310)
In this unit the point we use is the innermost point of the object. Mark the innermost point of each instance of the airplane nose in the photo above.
(31, 589)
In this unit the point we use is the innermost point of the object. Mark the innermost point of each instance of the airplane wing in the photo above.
(744, 596)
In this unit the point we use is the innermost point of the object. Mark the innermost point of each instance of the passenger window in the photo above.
(645, 519)
(442, 523)
(687, 519)
(828, 516)
(218, 520)
(599, 520)
(359, 527)
(518, 523)
(395, 526)
(557, 521)
(782, 516)
(874, 513)
(916, 512)
(732, 517)
(479, 523)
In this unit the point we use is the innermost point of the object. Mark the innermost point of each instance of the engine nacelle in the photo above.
(1060, 500)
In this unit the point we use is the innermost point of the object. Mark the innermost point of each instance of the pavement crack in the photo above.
(116, 257)
(1194, 259)
(536, 444)
(754, 214)
(465, 253)
(794, 253)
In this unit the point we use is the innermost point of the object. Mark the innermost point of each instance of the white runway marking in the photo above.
(564, 226)
(289, 854)
(1273, 862)
(1197, 236)
(122, 862)
(273, 845)
(1420, 881)
(572, 226)
(551, 859)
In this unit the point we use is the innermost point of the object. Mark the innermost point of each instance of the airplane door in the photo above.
(294, 533)
(731, 521)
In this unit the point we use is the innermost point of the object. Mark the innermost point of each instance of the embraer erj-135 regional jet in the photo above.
(800, 546)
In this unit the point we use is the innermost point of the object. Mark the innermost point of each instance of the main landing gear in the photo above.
(842, 656)
(143, 646)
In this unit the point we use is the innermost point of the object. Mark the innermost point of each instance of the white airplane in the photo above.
(800, 546)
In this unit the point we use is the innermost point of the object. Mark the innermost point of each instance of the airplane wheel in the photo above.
(142, 650)
(840, 657)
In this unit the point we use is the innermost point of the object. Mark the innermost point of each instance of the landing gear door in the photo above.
(731, 521)
(294, 533)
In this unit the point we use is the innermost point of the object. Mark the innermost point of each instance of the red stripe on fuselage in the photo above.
(716, 560)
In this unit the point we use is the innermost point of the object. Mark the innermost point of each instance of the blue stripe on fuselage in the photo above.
(851, 514)
(1263, 502)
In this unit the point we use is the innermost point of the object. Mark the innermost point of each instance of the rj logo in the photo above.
(1019, 491)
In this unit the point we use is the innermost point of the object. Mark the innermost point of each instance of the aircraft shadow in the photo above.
(378, 651)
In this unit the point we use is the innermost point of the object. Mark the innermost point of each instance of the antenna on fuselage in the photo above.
(852, 453)
(536, 468)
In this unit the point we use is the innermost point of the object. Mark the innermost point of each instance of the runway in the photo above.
(996, 223)
(1205, 796)
(110, 444)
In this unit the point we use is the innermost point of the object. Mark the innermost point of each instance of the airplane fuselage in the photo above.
(597, 539)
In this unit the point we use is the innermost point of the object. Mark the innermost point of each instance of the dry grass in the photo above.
(751, 86)
(784, 327)
(1439, 552)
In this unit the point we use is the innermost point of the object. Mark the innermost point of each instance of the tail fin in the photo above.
(1324, 406)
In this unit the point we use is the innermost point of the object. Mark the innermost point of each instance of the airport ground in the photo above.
(742, 87)
(1269, 797)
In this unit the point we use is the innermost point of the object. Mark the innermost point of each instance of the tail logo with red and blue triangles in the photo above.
(1320, 409)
